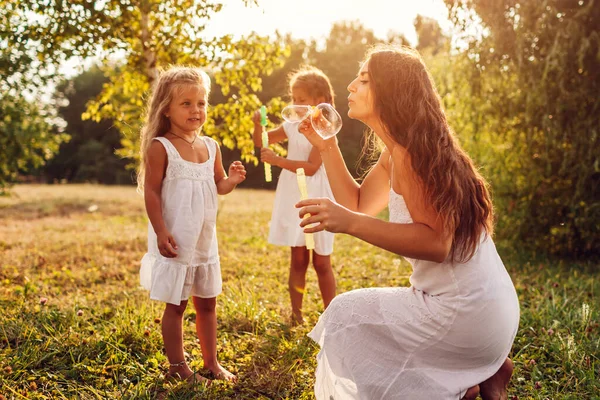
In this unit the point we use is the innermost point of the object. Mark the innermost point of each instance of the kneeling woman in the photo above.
(447, 336)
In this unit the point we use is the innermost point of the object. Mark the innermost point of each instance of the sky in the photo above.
(312, 19)
(306, 19)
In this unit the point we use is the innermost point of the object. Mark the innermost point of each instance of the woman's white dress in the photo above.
(285, 227)
(189, 206)
(452, 329)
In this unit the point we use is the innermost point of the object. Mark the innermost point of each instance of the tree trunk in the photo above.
(148, 54)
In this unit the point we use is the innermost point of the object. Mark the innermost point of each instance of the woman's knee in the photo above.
(353, 298)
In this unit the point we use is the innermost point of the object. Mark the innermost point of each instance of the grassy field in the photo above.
(75, 324)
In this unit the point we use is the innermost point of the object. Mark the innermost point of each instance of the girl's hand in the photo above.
(329, 216)
(166, 244)
(267, 155)
(313, 137)
(237, 172)
(256, 118)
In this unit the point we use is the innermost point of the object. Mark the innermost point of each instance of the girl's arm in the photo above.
(311, 166)
(424, 238)
(237, 174)
(156, 166)
(275, 136)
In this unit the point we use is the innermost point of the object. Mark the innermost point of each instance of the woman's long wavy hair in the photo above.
(157, 124)
(407, 103)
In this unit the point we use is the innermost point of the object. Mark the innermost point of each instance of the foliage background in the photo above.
(519, 81)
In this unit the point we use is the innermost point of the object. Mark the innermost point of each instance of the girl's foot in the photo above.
(494, 388)
(472, 393)
(221, 373)
(184, 373)
(296, 318)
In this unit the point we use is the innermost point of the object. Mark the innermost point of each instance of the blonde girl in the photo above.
(181, 174)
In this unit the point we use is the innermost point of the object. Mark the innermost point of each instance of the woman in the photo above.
(447, 336)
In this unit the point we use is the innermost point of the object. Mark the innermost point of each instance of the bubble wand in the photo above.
(265, 141)
(310, 240)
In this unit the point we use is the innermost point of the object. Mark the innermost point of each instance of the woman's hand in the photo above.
(267, 155)
(166, 244)
(237, 172)
(329, 216)
(313, 137)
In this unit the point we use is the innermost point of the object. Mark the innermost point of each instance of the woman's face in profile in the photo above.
(360, 99)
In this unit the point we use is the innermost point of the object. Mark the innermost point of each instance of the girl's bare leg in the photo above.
(300, 258)
(172, 333)
(326, 278)
(206, 329)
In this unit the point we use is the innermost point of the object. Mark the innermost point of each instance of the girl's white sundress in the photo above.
(452, 329)
(189, 206)
(285, 227)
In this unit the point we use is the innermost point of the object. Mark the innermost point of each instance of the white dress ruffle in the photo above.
(189, 205)
(452, 329)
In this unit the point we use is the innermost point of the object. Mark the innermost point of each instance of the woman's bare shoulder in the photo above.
(402, 175)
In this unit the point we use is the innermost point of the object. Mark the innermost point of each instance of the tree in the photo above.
(90, 154)
(27, 139)
(430, 35)
(274, 93)
(535, 77)
(149, 34)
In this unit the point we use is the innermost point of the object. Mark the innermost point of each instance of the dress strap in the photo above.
(211, 145)
(171, 150)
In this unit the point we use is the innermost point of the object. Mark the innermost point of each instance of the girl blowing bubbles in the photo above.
(448, 335)
(181, 174)
(308, 86)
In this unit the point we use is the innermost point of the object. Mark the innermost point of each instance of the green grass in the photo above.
(98, 334)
